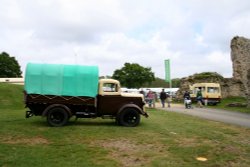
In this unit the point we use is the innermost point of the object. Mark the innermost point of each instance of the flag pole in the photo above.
(168, 73)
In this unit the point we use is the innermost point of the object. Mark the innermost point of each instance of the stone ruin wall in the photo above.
(240, 55)
(232, 87)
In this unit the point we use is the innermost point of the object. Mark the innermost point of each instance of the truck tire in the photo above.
(57, 116)
(129, 117)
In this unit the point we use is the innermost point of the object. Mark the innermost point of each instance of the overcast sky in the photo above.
(194, 34)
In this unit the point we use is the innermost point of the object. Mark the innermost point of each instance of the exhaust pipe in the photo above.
(28, 114)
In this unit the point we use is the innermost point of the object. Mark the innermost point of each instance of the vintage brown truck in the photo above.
(59, 92)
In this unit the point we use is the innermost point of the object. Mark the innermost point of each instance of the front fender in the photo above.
(133, 106)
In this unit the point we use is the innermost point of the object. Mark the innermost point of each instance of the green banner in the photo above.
(167, 71)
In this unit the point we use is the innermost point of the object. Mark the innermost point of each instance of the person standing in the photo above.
(168, 99)
(163, 97)
(150, 97)
(199, 98)
(154, 99)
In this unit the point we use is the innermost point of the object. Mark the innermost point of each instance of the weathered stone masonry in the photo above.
(240, 55)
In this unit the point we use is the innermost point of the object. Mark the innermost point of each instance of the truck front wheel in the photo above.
(57, 116)
(129, 117)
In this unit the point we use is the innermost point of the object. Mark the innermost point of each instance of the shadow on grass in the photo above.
(85, 122)
(72, 123)
(80, 122)
(37, 123)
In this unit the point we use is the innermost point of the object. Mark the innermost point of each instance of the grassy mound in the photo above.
(11, 96)
(226, 104)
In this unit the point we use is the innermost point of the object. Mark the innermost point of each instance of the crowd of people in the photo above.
(151, 98)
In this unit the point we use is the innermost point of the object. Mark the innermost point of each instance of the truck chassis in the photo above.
(59, 109)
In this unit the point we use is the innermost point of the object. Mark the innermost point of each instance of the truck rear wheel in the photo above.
(57, 116)
(129, 117)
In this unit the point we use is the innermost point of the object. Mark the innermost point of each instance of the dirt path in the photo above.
(229, 117)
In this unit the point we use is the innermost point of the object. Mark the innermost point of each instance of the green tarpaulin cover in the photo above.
(61, 80)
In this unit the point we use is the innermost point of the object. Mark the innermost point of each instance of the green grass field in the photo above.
(164, 139)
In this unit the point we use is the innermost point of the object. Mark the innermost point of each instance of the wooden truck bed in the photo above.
(79, 100)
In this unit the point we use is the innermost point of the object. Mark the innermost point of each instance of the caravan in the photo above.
(211, 92)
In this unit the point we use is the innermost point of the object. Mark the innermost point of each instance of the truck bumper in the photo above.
(145, 114)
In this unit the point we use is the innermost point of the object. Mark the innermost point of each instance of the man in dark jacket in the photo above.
(186, 95)
(187, 99)
(163, 97)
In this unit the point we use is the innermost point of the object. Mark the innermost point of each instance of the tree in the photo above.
(133, 75)
(9, 67)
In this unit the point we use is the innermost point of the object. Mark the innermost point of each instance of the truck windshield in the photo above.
(110, 87)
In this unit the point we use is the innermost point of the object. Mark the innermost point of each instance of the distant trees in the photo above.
(161, 83)
(133, 75)
(176, 82)
(157, 83)
(9, 67)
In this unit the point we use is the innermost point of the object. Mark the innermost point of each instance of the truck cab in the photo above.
(111, 101)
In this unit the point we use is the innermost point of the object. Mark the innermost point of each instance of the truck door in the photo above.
(109, 99)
